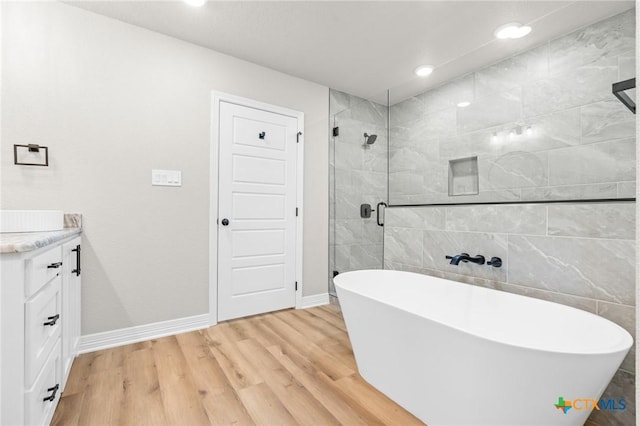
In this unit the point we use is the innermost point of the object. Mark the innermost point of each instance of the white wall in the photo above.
(112, 101)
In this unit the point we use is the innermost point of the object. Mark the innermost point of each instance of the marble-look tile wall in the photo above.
(357, 175)
(580, 254)
(577, 141)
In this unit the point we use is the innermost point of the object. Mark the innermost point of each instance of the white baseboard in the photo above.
(315, 300)
(125, 336)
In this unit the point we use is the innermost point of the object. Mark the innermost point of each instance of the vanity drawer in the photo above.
(42, 327)
(41, 269)
(40, 401)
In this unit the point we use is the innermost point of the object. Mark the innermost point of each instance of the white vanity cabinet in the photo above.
(39, 329)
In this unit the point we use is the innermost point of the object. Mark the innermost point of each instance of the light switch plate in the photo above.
(166, 177)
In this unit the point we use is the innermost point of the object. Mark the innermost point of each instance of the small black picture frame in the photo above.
(30, 148)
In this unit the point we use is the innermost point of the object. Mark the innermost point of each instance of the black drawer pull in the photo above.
(54, 391)
(77, 270)
(55, 265)
(52, 319)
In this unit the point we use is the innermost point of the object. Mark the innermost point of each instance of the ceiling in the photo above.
(361, 47)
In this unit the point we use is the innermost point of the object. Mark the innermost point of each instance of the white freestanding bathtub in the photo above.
(457, 354)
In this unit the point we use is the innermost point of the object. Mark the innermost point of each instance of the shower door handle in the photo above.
(378, 209)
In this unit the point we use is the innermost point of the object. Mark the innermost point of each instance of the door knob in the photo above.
(225, 222)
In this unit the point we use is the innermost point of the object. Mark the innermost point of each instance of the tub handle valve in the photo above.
(496, 262)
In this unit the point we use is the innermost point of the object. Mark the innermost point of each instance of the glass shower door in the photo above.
(358, 182)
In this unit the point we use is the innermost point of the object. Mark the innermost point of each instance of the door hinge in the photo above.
(296, 212)
(298, 137)
(296, 285)
(336, 131)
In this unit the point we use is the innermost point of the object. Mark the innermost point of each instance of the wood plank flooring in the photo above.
(292, 367)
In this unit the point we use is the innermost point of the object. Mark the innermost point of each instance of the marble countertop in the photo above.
(20, 242)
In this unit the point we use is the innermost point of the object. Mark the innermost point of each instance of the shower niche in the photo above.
(463, 176)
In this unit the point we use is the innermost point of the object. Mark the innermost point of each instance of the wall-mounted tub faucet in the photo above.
(464, 257)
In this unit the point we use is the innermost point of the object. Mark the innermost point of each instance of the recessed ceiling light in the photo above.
(512, 31)
(464, 104)
(196, 3)
(424, 70)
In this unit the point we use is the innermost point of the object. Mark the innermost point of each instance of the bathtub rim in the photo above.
(622, 348)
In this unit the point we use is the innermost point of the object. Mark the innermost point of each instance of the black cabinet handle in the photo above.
(225, 222)
(77, 270)
(55, 265)
(381, 203)
(54, 391)
(52, 320)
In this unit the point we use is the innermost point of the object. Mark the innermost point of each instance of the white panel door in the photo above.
(256, 211)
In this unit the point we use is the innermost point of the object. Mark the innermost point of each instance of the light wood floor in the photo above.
(287, 367)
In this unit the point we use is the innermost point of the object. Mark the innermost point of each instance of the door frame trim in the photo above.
(216, 98)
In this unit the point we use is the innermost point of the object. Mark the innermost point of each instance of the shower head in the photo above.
(369, 139)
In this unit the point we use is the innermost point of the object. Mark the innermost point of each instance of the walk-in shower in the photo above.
(537, 167)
